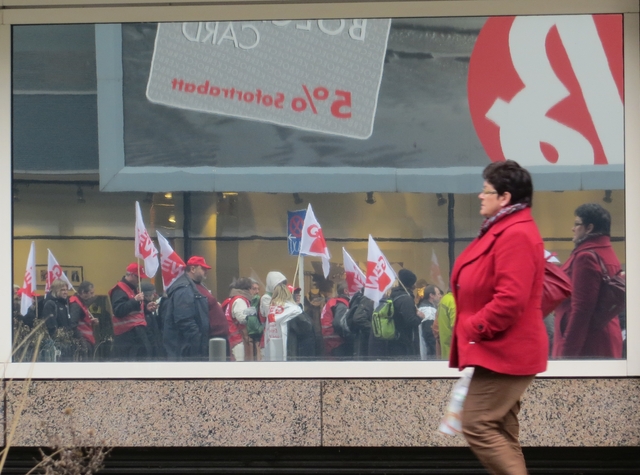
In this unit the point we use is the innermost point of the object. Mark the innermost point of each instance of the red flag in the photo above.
(28, 290)
(145, 249)
(312, 242)
(354, 276)
(170, 262)
(380, 274)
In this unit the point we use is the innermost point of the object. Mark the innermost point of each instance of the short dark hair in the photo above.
(242, 283)
(593, 213)
(85, 286)
(510, 176)
(431, 289)
(342, 288)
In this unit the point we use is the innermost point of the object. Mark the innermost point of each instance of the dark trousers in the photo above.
(132, 345)
(490, 420)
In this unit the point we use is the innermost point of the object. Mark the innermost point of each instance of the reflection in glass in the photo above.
(423, 136)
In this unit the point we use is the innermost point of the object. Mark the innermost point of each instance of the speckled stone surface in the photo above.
(555, 412)
(286, 413)
(170, 413)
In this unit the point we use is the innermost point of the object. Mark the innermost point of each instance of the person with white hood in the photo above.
(282, 309)
(273, 278)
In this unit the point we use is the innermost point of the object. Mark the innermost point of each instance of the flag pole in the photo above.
(295, 274)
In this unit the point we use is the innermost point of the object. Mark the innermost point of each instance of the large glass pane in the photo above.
(218, 130)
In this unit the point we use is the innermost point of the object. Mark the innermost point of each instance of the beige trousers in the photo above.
(490, 420)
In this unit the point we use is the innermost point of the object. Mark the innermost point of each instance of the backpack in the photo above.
(382, 323)
(254, 325)
(327, 320)
(341, 324)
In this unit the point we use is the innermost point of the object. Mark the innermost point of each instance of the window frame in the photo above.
(20, 12)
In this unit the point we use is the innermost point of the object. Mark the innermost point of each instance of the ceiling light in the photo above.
(607, 196)
(168, 195)
(172, 219)
(80, 195)
(296, 199)
(441, 199)
(370, 199)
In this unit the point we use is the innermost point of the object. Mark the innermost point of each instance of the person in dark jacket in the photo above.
(130, 341)
(359, 321)
(186, 321)
(154, 324)
(576, 335)
(406, 318)
(55, 313)
(301, 336)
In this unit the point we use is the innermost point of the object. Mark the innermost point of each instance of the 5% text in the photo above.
(340, 102)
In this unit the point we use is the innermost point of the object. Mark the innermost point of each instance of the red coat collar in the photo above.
(594, 243)
(480, 246)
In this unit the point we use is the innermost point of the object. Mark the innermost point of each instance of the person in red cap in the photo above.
(130, 335)
(186, 321)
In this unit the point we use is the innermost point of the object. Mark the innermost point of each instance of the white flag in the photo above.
(353, 274)
(144, 246)
(436, 276)
(551, 257)
(54, 271)
(28, 290)
(380, 274)
(170, 262)
(312, 242)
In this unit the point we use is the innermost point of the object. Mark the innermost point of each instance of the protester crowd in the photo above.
(282, 325)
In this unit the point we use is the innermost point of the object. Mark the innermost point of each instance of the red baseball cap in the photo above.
(293, 289)
(198, 261)
(133, 269)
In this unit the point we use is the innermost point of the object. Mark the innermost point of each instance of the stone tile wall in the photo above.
(292, 413)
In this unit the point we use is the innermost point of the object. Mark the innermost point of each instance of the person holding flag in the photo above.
(407, 318)
(82, 322)
(360, 307)
(130, 336)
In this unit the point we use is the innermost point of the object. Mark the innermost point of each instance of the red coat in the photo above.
(497, 285)
(574, 336)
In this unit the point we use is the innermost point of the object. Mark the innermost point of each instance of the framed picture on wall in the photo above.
(75, 274)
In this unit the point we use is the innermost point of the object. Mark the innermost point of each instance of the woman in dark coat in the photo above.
(576, 335)
(497, 285)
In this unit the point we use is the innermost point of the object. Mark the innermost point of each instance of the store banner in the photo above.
(295, 223)
(316, 75)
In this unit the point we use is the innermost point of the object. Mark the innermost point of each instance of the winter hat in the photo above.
(407, 278)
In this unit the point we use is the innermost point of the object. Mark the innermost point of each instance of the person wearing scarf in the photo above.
(575, 334)
(497, 286)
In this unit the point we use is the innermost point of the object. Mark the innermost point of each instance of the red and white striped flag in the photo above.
(312, 242)
(54, 271)
(170, 262)
(353, 274)
(28, 290)
(380, 274)
(145, 249)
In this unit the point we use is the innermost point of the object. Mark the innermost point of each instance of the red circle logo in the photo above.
(549, 89)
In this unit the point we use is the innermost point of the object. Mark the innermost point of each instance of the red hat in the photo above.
(198, 261)
(293, 289)
(133, 269)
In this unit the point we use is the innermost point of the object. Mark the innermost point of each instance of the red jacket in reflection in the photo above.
(575, 336)
(497, 285)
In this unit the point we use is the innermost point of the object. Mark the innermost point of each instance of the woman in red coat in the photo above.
(576, 335)
(497, 285)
